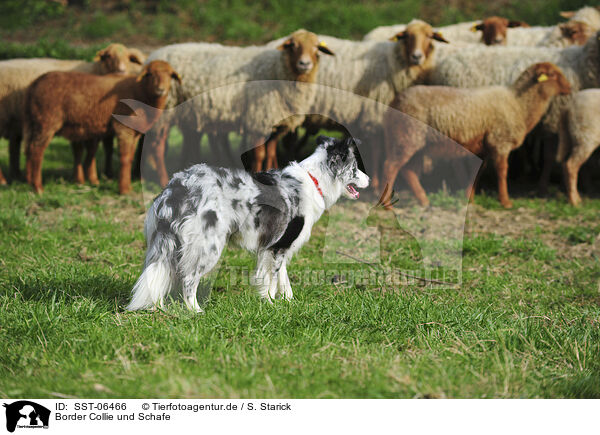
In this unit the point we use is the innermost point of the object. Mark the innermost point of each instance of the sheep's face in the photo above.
(551, 79)
(576, 32)
(418, 41)
(156, 78)
(494, 29)
(118, 59)
(302, 51)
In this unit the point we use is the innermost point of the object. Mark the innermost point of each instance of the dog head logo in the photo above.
(26, 414)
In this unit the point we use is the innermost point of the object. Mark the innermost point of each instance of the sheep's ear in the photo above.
(323, 48)
(134, 58)
(515, 23)
(286, 44)
(477, 27)
(398, 36)
(567, 14)
(142, 73)
(438, 37)
(99, 55)
(175, 76)
(565, 29)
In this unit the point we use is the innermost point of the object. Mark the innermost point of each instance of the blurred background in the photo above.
(77, 28)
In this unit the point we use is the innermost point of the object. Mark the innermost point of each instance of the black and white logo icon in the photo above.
(26, 414)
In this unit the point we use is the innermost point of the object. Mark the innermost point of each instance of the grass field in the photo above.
(36, 28)
(525, 322)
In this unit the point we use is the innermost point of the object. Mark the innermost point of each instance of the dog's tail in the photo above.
(157, 278)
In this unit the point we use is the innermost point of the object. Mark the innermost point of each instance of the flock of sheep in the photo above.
(484, 85)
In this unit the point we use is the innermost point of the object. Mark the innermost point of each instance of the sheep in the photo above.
(579, 136)
(581, 25)
(80, 106)
(374, 71)
(502, 65)
(460, 32)
(221, 97)
(493, 31)
(576, 31)
(489, 121)
(17, 74)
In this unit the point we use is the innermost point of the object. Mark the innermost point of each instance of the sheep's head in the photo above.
(116, 58)
(549, 78)
(156, 78)
(494, 29)
(302, 50)
(576, 32)
(417, 39)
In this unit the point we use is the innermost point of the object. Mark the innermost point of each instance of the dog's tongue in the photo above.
(352, 191)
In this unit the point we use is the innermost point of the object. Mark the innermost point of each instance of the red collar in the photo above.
(316, 183)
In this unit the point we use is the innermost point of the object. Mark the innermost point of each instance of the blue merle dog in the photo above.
(268, 213)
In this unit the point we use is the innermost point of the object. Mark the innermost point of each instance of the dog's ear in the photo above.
(353, 144)
(324, 140)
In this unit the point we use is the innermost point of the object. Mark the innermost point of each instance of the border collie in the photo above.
(268, 213)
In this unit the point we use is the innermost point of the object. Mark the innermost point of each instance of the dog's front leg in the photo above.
(285, 288)
(263, 275)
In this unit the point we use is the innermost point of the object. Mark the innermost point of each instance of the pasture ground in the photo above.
(525, 322)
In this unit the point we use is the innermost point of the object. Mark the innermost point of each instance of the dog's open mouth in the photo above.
(352, 191)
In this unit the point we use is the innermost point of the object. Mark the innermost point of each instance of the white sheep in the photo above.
(579, 136)
(363, 77)
(485, 66)
(581, 26)
(489, 121)
(217, 86)
(494, 30)
(460, 32)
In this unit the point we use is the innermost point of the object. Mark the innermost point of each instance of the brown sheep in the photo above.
(17, 74)
(489, 122)
(80, 107)
(494, 29)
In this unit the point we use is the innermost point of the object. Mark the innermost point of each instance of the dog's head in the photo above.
(342, 164)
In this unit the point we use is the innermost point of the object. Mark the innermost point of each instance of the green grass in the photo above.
(525, 322)
(154, 23)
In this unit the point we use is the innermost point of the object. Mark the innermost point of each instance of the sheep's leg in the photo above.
(548, 153)
(375, 166)
(190, 147)
(77, 148)
(232, 161)
(158, 154)
(90, 162)
(501, 165)
(571, 168)
(127, 141)
(272, 154)
(460, 171)
(412, 178)
(473, 187)
(14, 153)
(390, 172)
(215, 151)
(259, 155)
(107, 144)
(35, 157)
